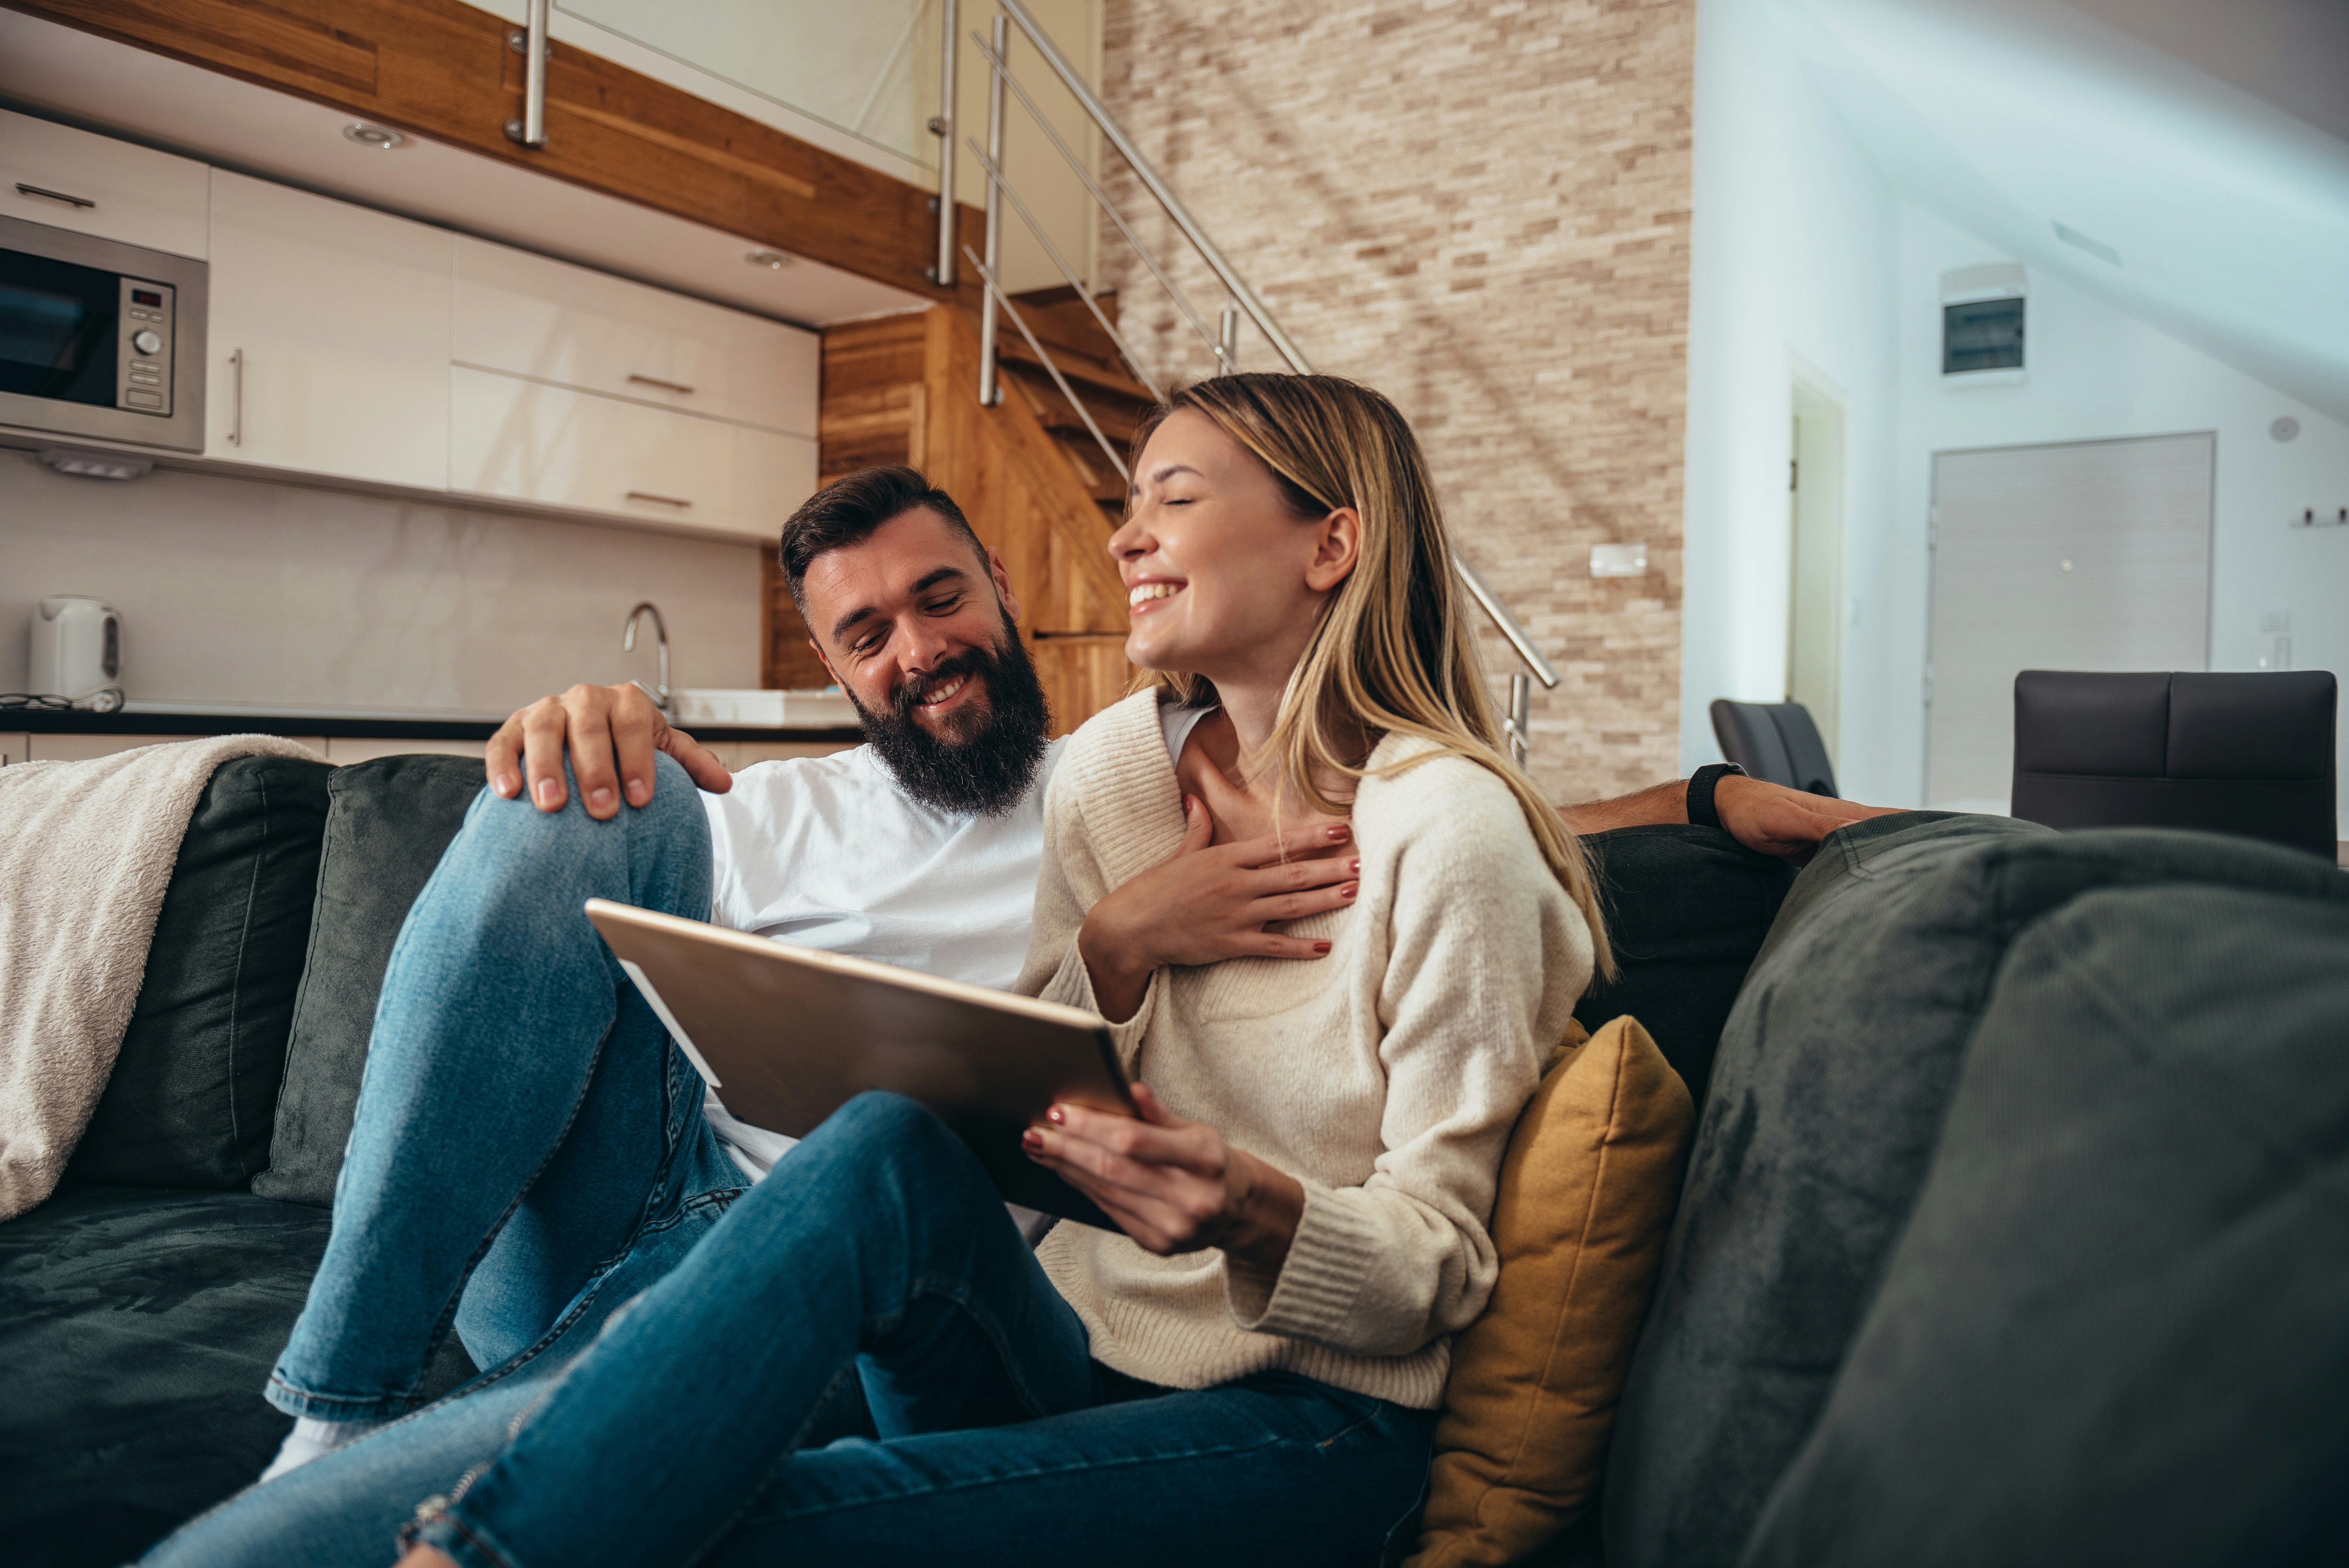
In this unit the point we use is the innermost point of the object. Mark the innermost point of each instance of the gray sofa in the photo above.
(2016, 1221)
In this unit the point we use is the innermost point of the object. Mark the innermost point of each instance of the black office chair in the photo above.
(1777, 741)
(2249, 754)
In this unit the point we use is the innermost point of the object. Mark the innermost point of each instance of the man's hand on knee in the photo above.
(613, 733)
(1777, 820)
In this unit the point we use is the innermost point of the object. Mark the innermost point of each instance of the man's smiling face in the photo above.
(916, 625)
(895, 614)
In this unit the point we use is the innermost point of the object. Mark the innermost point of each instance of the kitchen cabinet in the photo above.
(518, 440)
(329, 336)
(526, 315)
(133, 194)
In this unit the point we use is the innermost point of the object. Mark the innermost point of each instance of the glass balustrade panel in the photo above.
(870, 69)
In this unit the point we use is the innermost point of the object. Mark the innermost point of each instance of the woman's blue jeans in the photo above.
(529, 1155)
(879, 1248)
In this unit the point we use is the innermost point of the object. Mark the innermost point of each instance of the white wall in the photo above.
(1805, 256)
(240, 592)
(1794, 253)
(2096, 373)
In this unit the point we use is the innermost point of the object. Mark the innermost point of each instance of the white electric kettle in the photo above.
(76, 651)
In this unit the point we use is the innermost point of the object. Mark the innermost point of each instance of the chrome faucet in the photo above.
(660, 630)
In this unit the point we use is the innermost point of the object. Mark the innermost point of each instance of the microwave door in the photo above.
(59, 322)
(99, 338)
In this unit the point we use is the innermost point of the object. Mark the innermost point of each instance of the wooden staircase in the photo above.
(1095, 372)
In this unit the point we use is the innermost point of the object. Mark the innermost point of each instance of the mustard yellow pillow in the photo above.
(1586, 1192)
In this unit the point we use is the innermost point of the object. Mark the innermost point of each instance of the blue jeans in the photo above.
(879, 1248)
(523, 1115)
(528, 1153)
(525, 1129)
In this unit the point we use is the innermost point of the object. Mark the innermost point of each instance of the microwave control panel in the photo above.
(142, 375)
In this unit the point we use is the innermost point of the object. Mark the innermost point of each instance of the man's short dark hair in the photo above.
(851, 511)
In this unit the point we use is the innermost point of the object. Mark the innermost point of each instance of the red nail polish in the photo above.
(1320, 949)
(1056, 1116)
(1337, 834)
(1355, 867)
(1350, 890)
(1032, 1139)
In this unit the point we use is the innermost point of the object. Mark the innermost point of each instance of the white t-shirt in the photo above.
(830, 852)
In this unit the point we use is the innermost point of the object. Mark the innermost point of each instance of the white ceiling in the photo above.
(105, 85)
(2200, 140)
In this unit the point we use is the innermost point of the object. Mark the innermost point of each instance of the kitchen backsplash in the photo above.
(235, 590)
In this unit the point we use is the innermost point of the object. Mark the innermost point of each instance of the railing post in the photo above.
(990, 393)
(530, 40)
(942, 271)
(1521, 694)
(1227, 339)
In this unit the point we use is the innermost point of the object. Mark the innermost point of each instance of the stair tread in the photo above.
(1011, 347)
(1052, 410)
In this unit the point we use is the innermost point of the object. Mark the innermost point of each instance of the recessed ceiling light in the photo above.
(374, 136)
(774, 261)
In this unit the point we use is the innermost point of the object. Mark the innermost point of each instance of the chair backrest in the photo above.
(2247, 754)
(1777, 741)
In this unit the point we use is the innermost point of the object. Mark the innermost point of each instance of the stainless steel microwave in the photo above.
(98, 338)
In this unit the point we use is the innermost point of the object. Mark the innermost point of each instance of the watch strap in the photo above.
(1701, 785)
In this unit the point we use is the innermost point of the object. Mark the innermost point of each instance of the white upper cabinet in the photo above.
(329, 338)
(96, 185)
(525, 441)
(524, 315)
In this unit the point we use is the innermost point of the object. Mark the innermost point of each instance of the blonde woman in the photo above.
(1336, 933)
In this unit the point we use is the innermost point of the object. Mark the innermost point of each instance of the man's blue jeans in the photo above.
(526, 1129)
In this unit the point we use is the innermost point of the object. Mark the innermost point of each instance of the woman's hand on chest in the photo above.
(1208, 902)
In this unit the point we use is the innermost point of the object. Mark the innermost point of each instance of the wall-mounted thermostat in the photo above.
(1982, 325)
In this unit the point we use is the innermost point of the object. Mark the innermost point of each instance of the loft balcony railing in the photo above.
(1241, 300)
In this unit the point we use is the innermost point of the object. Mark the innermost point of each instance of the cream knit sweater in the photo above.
(1385, 1078)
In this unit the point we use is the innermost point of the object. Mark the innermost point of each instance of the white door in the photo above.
(1815, 616)
(329, 338)
(2092, 555)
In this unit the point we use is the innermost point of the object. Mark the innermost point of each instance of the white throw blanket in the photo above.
(86, 851)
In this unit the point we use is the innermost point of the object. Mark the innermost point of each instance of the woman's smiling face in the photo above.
(1222, 579)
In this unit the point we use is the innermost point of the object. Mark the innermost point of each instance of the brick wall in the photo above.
(1482, 211)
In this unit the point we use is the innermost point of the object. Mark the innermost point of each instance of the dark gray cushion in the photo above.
(2116, 1328)
(137, 1329)
(189, 1102)
(387, 822)
(1686, 908)
(1828, 1098)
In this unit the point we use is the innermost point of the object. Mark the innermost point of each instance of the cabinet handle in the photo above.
(25, 190)
(236, 398)
(664, 386)
(662, 500)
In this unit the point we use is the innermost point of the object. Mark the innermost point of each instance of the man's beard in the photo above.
(985, 772)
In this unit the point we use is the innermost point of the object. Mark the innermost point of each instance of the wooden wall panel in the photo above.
(443, 70)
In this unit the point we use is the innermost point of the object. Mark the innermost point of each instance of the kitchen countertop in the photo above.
(186, 718)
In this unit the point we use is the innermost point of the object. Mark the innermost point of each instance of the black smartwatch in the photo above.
(1700, 791)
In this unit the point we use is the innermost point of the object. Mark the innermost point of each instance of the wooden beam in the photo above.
(443, 70)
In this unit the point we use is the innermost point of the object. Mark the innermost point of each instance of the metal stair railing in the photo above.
(1224, 342)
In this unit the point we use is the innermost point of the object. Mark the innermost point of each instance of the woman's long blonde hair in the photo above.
(1391, 652)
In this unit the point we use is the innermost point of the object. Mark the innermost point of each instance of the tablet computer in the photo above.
(787, 1035)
